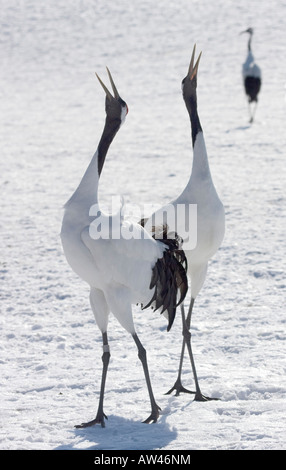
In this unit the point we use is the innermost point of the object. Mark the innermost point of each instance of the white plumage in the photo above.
(103, 262)
(120, 272)
(200, 190)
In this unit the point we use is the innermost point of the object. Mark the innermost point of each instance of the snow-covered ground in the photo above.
(52, 114)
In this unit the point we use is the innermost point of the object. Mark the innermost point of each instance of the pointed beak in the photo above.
(108, 94)
(193, 69)
(248, 30)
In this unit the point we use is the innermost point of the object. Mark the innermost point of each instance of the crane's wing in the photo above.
(153, 271)
(169, 278)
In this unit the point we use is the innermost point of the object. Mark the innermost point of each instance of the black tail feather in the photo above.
(169, 277)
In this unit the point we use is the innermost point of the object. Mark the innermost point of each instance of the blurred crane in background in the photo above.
(251, 77)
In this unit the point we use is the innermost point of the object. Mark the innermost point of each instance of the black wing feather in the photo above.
(169, 277)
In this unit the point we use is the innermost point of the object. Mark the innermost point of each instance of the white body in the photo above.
(200, 190)
(250, 68)
(118, 271)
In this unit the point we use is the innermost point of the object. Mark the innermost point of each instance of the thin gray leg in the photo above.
(100, 414)
(186, 322)
(143, 358)
(178, 384)
(187, 337)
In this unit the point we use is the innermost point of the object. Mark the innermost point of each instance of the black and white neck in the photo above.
(116, 109)
(192, 107)
(200, 166)
(250, 32)
(189, 90)
(112, 126)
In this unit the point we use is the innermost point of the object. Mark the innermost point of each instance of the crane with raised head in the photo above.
(120, 270)
(209, 224)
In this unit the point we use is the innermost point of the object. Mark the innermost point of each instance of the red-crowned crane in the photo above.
(120, 271)
(252, 79)
(200, 190)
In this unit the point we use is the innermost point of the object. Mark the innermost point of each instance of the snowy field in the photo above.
(52, 114)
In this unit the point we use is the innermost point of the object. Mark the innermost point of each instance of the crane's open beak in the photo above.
(193, 69)
(108, 94)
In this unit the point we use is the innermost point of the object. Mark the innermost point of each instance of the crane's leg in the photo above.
(187, 338)
(252, 111)
(143, 358)
(187, 342)
(178, 384)
(250, 114)
(99, 419)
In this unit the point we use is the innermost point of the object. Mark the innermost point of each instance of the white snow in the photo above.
(52, 115)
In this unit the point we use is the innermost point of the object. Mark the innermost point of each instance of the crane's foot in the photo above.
(200, 397)
(153, 418)
(179, 389)
(98, 420)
